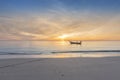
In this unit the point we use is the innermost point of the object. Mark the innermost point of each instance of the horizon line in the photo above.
(59, 40)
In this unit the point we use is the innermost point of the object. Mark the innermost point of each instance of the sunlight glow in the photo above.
(63, 36)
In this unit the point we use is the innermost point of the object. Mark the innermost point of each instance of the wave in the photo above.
(13, 53)
(53, 52)
(86, 51)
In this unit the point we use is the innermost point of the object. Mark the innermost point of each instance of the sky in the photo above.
(59, 20)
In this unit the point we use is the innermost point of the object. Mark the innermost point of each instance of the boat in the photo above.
(76, 42)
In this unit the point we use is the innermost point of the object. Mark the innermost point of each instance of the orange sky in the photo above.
(60, 20)
(61, 25)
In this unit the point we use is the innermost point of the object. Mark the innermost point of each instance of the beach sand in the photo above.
(60, 69)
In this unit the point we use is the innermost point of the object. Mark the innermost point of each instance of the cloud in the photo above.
(58, 21)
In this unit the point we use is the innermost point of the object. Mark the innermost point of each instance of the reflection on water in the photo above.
(63, 55)
(44, 48)
(32, 47)
(77, 55)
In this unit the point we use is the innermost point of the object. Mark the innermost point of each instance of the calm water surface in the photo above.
(32, 47)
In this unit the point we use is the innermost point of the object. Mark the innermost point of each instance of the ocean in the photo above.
(56, 47)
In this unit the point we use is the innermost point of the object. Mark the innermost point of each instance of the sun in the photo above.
(64, 36)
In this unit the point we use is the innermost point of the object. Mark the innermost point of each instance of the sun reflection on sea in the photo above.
(79, 55)
(63, 55)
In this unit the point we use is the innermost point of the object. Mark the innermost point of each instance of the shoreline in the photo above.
(61, 55)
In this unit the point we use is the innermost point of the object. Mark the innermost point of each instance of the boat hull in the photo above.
(71, 42)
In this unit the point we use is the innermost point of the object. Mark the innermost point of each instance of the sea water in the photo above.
(48, 47)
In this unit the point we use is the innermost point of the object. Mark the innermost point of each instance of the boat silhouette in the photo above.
(75, 42)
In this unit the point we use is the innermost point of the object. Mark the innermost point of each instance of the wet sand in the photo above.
(60, 69)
